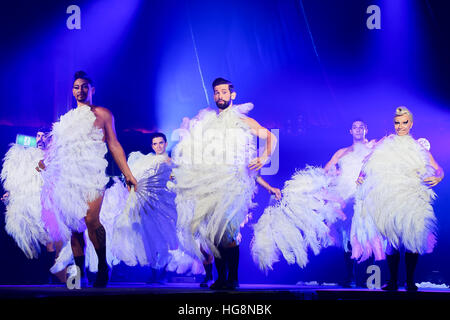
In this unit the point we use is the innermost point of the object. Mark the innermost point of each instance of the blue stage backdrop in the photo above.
(310, 67)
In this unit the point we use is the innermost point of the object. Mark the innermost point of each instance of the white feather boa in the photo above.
(394, 198)
(75, 172)
(214, 187)
(298, 222)
(23, 212)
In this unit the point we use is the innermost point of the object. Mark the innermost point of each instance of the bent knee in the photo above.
(92, 222)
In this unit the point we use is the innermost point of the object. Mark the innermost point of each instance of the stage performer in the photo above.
(74, 175)
(395, 196)
(216, 167)
(345, 165)
(145, 231)
(310, 216)
(20, 175)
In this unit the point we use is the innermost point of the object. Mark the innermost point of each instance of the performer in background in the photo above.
(309, 216)
(345, 165)
(23, 199)
(215, 180)
(74, 175)
(395, 196)
(144, 232)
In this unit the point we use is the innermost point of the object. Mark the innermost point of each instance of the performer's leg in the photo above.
(227, 264)
(221, 267)
(411, 263)
(393, 260)
(349, 267)
(97, 234)
(233, 266)
(207, 264)
(50, 261)
(78, 244)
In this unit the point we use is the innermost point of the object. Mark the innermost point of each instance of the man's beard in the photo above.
(223, 106)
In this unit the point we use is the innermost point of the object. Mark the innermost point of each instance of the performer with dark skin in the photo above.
(83, 91)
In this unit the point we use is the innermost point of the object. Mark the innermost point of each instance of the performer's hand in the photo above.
(5, 196)
(342, 215)
(257, 163)
(131, 181)
(432, 181)
(360, 180)
(41, 166)
(276, 192)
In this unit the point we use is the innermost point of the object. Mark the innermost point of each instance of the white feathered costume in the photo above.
(394, 199)
(145, 230)
(23, 211)
(298, 222)
(113, 203)
(214, 186)
(75, 172)
(344, 185)
(140, 226)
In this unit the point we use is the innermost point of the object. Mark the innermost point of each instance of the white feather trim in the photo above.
(298, 222)
(23, 212)
(182, 263)
(213, 184)
(75, 171)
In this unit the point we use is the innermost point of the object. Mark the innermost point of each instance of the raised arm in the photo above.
(271, 142)
(116, 149)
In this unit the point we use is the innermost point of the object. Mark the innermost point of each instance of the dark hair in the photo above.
(157, 135)
(360, 120)
(82, 75)
(45, 130)
(220, 81)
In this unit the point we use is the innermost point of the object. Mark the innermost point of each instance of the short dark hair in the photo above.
(82, 75)
(157, 135)
(45, 130)
(360, 120)
(219, 81)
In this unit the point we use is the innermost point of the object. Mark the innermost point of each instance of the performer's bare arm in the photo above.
(5, 196)
(439, 175)
(105, 120)
(268, 187)
(334, 159)
(271, 142)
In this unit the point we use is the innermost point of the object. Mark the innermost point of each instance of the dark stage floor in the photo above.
(192, 292)
(189, 301)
